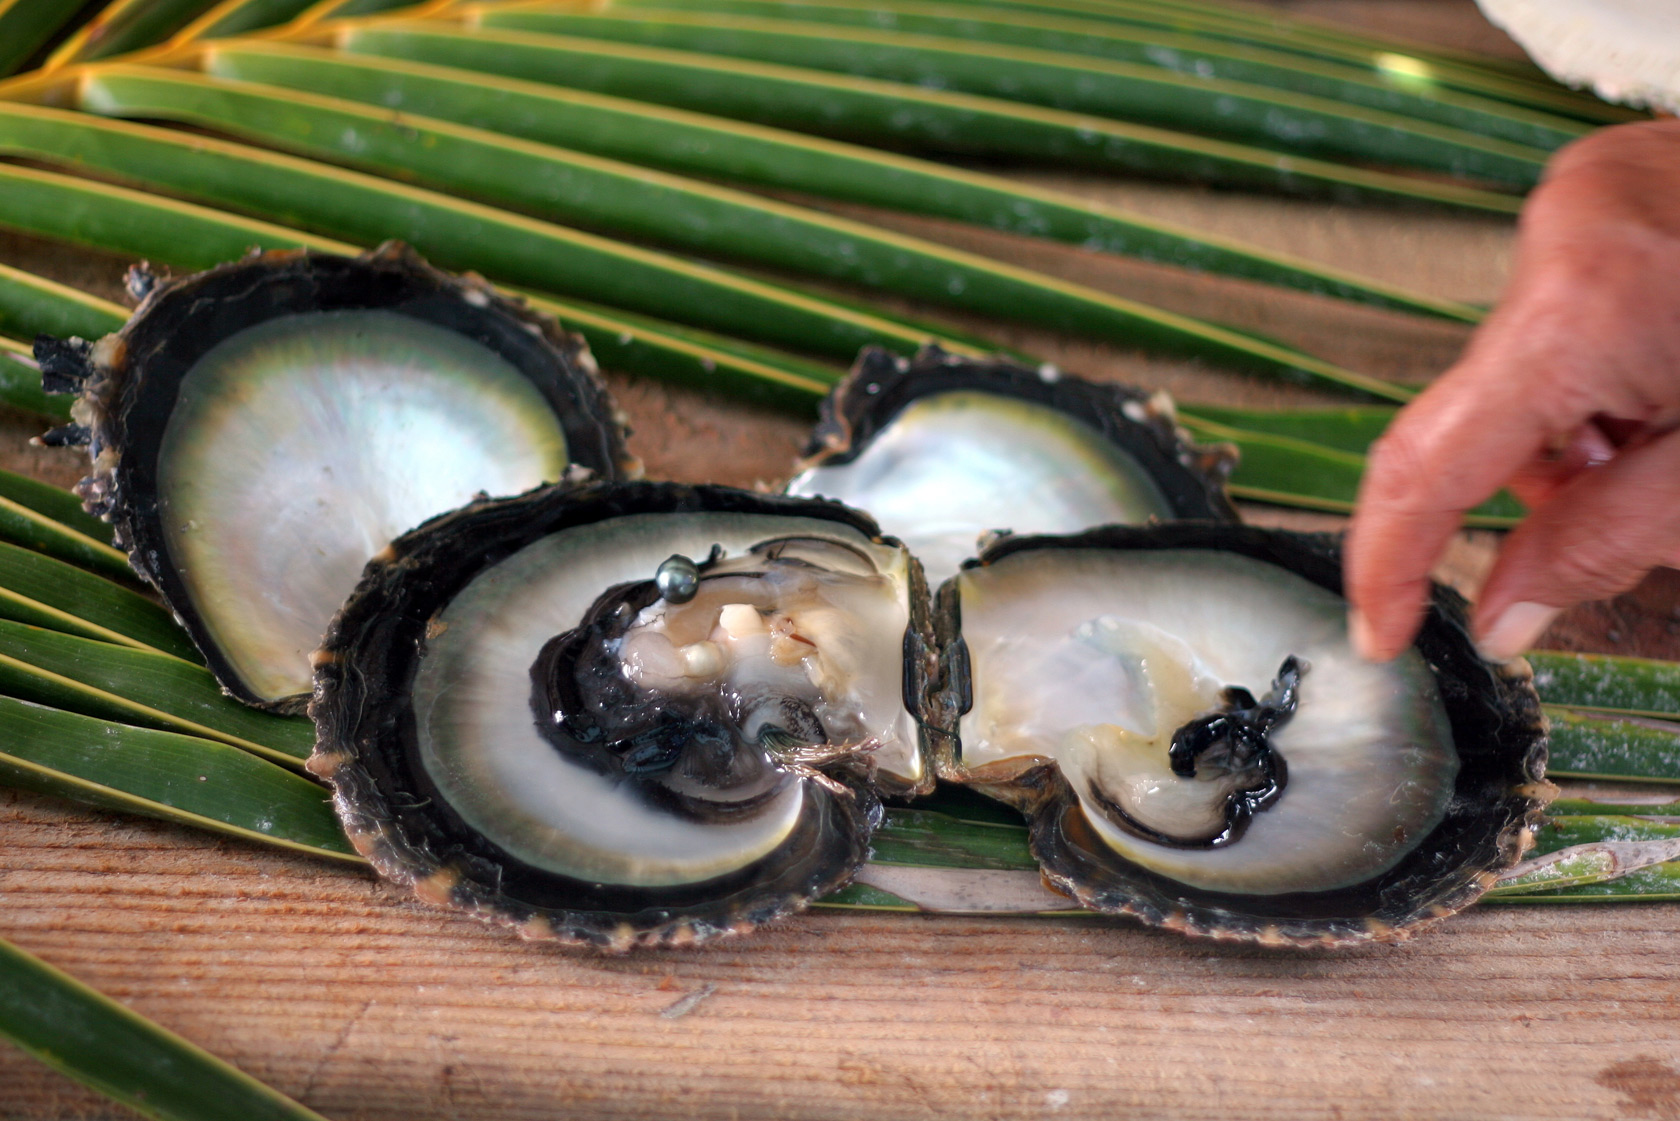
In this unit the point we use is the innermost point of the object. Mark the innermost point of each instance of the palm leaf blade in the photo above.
(1608, 683)
(179, 778)
(97, 1041)
(101, 215)
(20, 525)
(49, 593)
(697, 144)
(1177, 53)
(1351, 429)
(1290, 470)
(894, 114)
(20, 384)
(453, 233)
(1588, 745)
(1237, 112)
(635, 344)
(1403, 64)
(32, 305)
(127, 25)
(194, 237)
(140, 687)
(926, 838)
(26, 26)
(689, 214)
(51, 502)
(240, 16)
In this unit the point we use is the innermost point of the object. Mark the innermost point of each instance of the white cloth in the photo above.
(1626, 50)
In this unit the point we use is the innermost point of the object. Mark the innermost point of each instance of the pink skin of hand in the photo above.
(1568, 394)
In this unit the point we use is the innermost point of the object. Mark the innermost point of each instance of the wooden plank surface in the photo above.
(365, 1005)
(335, 989)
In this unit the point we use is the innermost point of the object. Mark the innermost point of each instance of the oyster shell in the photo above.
(546, 710)
(650, 714)
(943, 449)
(578, 728)
(1105, 685)
(259, 430)
(1177, 710)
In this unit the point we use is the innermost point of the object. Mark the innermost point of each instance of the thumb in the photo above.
(1596, 536)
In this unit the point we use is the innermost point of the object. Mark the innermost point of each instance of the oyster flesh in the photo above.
(1180, 714)
(619, 715)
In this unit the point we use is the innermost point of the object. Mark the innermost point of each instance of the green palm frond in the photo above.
(624, 200)
(50, 502)
(612, 164)
(46, 592)
(1609, 684)
(1264, 117)
(1193, 55)
(1406, 65)
(893, 114)
(696, 144)
(26, 26)
(97, 1041)
(23, 525)
(143, 687)
(30, 304)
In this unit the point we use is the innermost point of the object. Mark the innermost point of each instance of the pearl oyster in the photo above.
(1179, 713)
(1177, 709)
(259, 430)
(942, 450)
(619, 715)
(653, 714)
(576, 727)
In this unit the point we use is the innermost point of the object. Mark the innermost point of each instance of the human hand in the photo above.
(1568, 394)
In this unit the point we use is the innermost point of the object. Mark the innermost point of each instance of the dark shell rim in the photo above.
(1475, 842)
(362, 743)
(882, 384)
(154, 349)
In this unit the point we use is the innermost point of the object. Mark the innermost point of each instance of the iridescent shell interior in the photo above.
(263, 429)
(943, 450)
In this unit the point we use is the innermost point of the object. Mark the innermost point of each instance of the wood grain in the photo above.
(365, 1005)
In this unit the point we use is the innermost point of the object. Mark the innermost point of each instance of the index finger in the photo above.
(1447, 451)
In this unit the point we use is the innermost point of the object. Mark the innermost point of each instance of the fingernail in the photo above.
(1359, 633)
(1514, 630)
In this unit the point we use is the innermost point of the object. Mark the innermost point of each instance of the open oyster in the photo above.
(646, 713)
(943, 449)
(630, 714)
(260, 430)
(1177, 709)
(1180, 714)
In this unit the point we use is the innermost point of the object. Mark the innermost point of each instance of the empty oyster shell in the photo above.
(632, 714)
(260, 430)
(1178, 711)
(944, 449)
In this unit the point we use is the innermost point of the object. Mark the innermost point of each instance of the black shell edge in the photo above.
(108, 383)
(880, 384)
(388, 624)
(1502, 831)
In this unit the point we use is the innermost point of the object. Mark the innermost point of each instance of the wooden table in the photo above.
(336, 989)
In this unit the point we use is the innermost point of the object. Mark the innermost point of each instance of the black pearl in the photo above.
(677, 578)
